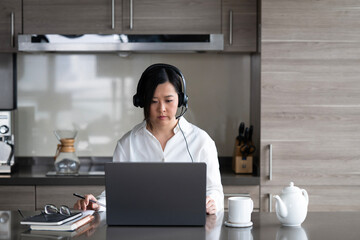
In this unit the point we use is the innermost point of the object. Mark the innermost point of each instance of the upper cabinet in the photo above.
(10, 24)
(126, 16)
(171, 16)
(239, 25)
(72, 17)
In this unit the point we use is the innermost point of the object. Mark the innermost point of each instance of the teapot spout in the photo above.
(281, 208)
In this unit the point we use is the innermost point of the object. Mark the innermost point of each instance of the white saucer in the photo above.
(229, 224)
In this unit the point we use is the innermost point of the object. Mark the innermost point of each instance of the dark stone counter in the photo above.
(35, 171)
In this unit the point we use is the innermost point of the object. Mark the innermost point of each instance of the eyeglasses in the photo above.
(52, 209)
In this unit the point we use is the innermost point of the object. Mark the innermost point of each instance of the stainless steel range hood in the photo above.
(120, 43)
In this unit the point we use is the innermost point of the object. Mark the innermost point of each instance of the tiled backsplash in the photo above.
(93, 94)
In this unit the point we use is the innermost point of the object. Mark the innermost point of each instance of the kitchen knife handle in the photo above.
(131, 15)
(270, 202)
(112, 14)
(12, 35)
(270, 162)
(231, 28)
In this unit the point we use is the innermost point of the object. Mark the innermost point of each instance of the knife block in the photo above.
(240, 165)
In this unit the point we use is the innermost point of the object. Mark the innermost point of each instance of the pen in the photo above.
(93, 201)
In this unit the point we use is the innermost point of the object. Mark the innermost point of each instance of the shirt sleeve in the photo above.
(119, 154)
(214, 187)
(102, 199)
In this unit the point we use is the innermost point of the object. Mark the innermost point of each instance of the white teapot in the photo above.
(291, 205)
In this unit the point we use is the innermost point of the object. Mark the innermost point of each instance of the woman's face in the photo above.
(164, 105)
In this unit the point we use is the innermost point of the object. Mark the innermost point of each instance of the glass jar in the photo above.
(66, 161)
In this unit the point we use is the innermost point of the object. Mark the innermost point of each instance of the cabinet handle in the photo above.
(131, 14)
(112, 14)
(270, 202)
(270, 161)
(12, 35)
(231, 28)
(236, 194)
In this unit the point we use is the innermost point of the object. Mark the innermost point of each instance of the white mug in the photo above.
(240, 209)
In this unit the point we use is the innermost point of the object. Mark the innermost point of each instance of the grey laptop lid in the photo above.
(155, 193)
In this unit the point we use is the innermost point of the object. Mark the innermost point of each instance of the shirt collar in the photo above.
(184, 124)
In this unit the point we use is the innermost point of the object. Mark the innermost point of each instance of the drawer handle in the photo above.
(270, 202)
(270, 161)
(237, 194)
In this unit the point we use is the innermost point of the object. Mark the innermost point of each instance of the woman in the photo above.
(163, 137)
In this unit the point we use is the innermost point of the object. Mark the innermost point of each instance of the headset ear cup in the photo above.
(185, 101)
(137, 101)
(181, 99)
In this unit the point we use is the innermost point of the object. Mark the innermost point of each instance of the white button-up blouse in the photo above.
(139, 145)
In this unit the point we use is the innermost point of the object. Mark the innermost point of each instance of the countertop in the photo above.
(33, 171)
(317, 226)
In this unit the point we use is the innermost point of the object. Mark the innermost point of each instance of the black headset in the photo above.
(138, 100)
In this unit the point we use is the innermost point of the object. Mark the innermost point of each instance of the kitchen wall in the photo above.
(92, 93)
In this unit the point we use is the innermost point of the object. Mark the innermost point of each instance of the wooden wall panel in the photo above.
(310, 89)
(309, 20)
(310, 101)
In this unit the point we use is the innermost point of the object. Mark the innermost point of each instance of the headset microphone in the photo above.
(182, 112)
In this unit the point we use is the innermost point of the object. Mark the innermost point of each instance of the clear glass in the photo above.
(66, 161)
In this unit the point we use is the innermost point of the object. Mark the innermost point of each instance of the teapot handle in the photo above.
(304, 192)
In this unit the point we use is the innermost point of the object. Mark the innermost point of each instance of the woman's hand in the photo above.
(85, 204)
(210, 205)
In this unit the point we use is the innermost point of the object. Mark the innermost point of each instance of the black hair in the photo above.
(152, 79)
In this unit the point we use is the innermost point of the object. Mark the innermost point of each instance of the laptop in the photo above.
(157, 194)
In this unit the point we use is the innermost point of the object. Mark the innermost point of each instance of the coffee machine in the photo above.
(7, 150)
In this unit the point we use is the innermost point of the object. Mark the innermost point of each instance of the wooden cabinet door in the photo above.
(72, 17)
(321, 198)
(239, 25)
(17, 197)
(171, 16)
(10, 24)
(63, 195)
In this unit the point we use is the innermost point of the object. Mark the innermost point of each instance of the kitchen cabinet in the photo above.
(63, 195)
(321, 198)
(242, 191)
(17, 197)
(239, 25)
(10, 24)
(171, 17)
(309, 108)
(127, 16)
(72, 17)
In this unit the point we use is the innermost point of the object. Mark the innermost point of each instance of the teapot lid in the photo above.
(291, 189)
